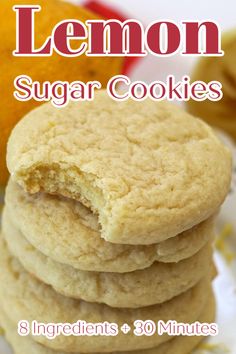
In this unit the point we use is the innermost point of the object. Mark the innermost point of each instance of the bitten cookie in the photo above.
(178, 345)
(156, 284)
(148, 169)
(24, 297)
(67, 232)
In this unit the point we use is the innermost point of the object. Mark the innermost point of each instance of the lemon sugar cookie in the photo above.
(24, 297)
(178, 345)
(149, 170)
(67, 232)
(155, 284)
(221, 113)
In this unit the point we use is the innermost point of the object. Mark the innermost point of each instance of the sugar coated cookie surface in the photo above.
(149, 170)
(67, 232)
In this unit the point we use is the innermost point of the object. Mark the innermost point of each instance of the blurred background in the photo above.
(146, 11)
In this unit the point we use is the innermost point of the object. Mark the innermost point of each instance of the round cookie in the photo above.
(220, 113)
(156, 284)
(67, 232)
(24, 297)
(148, 169)
(178, 345)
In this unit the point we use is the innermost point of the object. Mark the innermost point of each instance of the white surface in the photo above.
(152, 68)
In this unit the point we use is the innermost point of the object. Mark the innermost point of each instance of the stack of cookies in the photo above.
(109, 218)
